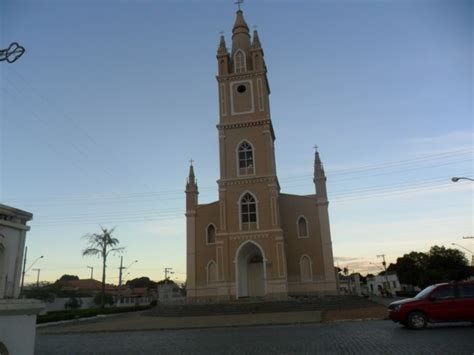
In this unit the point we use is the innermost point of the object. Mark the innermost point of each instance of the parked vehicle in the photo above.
(446, 302)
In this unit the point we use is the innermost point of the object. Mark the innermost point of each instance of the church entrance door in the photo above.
(250, 271)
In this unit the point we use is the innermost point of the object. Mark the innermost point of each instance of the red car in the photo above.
(447, 302)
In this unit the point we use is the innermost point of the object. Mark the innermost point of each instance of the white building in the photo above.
(17, 317)
(377, 284)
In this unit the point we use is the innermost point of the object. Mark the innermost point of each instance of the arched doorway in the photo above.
(250, 270)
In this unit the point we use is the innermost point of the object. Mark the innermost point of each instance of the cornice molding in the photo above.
(267, 121)
(245, 181)
(240, 76)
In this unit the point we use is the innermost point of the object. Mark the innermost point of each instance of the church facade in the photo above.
(255, 241)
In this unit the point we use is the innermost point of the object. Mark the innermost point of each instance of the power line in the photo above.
(153, 195)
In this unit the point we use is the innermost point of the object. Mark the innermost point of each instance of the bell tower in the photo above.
(246, 136)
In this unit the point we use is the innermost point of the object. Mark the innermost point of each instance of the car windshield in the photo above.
(425, 292)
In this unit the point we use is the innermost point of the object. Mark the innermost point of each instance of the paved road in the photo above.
(360, 337)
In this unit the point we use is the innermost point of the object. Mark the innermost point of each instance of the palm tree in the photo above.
(101, 245)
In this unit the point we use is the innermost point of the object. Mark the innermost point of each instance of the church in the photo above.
(255, 241)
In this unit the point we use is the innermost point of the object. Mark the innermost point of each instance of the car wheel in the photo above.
(417, 320)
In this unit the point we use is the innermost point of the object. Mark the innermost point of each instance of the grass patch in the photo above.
(57, 316)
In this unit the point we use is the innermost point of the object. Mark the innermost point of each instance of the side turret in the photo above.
(319, 178)
(191, 190)
(257, 53)
(223, 58)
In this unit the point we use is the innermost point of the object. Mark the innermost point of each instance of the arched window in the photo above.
(306, 272)
(211, 272)
(248, 212)
(239, 59)
(245, 158)
(302, 226)
(211, 234)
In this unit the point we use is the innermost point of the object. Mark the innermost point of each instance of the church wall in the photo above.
(291, 207)
(206, 214)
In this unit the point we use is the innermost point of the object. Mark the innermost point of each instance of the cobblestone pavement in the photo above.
(356, 337)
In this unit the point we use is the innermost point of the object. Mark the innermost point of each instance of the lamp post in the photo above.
(92, 271)
(121, 268)
(384, 263)
(457, 178)
(470, 251)
(26, 270)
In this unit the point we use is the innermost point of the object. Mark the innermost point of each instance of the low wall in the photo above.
(18, 326)
(59, 304)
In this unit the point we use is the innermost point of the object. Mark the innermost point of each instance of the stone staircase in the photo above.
(248, 306)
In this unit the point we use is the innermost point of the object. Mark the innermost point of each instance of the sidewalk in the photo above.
(137, 321)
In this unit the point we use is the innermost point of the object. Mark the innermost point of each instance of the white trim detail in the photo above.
(236, 262)
(210, 282)
(232, 86)
(260, 94)
(310, 261)
(240, 207)
(223, 100)
(240, 65)
(298, 227)
(207, 233)
(238, 160)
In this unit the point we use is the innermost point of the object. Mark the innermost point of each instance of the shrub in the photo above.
(73, 303)
(109, 299)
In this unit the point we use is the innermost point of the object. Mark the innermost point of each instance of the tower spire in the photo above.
(319, 176)
(240, 33)
(191, 189)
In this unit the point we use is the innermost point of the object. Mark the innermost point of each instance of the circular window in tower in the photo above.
(241, 89)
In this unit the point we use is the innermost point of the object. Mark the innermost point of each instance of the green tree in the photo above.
(446, 265)
(141, 282)
(101, 245)
(67, 277)
(438, 265)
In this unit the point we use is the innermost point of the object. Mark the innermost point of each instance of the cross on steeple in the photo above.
(238, 2)
(191, 161)
(316, 148)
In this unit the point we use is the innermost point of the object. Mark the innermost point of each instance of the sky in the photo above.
(111, 100)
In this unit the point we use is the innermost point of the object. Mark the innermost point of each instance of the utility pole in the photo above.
(92, 271)
(384, 263)
(24, 271)
(120, 271)
(168, 271)
(37, 277)
(121, 268)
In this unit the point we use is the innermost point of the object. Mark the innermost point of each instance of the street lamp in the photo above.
(26, 270)
(470, 251)
(456, 178)
(460, 246)
(133, 262)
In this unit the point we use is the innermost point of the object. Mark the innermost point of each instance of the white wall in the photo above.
(12, 242)
(17, 332)
(59, 304)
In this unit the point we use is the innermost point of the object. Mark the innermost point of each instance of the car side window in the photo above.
(466, 291)
(442, 293)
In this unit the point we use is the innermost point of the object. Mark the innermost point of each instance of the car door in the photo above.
(442, 305)
(465, 301)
